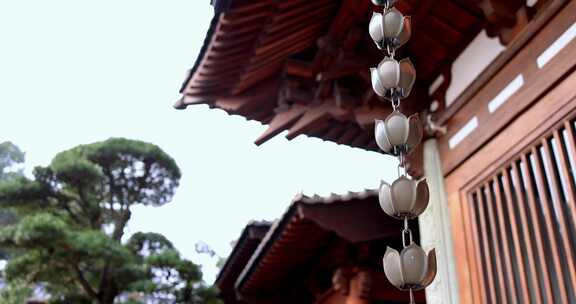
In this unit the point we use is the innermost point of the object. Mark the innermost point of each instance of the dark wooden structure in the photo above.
(302, 66)
(508, 151)
(316, 253)
(245, 246)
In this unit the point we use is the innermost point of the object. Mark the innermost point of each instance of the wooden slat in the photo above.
(272, 46)
(502, 219)
(532, 227)
(281, 54)
(518, 244)
(564, 229)
(536, 225)
(497, 258)
(548, 215)
(301, 15)
(249, 8)
(240, 20)
(571, 147)
(486, 248)
(251, 30)
(235, 43)
(286, 5)
(479, 288)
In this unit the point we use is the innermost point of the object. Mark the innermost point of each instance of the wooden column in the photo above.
(435, 230)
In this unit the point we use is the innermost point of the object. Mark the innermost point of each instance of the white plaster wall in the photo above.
(471, 62)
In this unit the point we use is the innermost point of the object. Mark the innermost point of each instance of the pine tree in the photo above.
(71, 222)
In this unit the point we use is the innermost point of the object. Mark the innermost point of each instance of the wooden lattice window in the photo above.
(522, 224)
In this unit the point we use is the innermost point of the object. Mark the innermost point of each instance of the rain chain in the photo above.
(406, 198)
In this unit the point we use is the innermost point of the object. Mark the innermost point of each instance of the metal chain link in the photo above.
(390, 50)
(405, 232)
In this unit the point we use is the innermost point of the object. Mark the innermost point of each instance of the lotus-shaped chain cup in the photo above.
(410, 269)
(387, 3)
(393, 79)
(405, 198)
(398, 133)
(390, 29)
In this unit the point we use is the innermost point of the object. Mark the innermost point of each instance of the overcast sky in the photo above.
(78, 71)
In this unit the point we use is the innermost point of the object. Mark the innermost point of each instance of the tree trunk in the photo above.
(120, 225)
(107, 297)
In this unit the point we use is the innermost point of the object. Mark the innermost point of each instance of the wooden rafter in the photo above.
(313, 117)
(261, 93)
(281, 122)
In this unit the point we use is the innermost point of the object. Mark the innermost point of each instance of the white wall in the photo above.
(471, 62)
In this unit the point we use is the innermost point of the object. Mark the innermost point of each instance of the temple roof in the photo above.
(305, 228)
(312, 227)
(243, 249)
(303, 66)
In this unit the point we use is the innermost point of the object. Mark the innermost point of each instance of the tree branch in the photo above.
(84, 283)
(120, 224)
(63, 202)
(85, 205)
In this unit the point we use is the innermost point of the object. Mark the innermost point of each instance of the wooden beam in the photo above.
(366, 115)
(281, 122)
(345, 68)
(298, 95)
(309, 120)
(350, 11)
(188, 100)
(299, 68)
(500, 14)
(314, 117)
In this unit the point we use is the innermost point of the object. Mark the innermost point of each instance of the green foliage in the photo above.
(72, 217)
(16, 292)
(10, 155)
(39, 229)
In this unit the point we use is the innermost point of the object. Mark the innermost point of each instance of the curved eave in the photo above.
(205, 45)
(308, 226)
